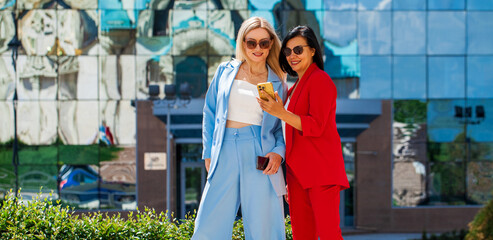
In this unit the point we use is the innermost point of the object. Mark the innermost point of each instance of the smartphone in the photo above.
(268, 88)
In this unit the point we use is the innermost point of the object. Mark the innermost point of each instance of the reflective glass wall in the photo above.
(441, 82)
(69, 70)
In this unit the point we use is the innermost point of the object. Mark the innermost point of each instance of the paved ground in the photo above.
(383, 236)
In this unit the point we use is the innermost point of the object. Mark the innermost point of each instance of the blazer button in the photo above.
(217, 120)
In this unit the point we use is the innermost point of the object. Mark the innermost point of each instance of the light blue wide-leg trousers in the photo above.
(237, 181)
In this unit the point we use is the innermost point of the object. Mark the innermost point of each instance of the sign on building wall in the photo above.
(155, 161)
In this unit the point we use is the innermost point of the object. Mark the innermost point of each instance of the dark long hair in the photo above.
(309, 35)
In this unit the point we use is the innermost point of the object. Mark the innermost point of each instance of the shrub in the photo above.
(49, 219)
(481, 228)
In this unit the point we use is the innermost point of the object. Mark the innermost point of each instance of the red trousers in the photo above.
(314, 211)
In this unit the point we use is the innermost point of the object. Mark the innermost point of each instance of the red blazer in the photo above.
(315, 154)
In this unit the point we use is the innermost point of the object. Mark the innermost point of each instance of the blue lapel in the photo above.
(226, 83)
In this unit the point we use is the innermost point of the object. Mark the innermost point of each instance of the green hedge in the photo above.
(46, 219)
(481, 228)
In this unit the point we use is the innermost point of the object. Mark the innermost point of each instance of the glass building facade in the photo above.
(70, 69)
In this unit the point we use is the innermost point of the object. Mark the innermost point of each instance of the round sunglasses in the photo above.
(263, 44)
(297, 50)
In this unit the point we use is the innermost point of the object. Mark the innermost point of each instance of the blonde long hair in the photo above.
(273, 58)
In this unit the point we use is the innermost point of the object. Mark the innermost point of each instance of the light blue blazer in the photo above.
(216, 112)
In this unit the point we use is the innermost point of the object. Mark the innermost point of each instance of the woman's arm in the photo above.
(278, 153)
(276, 108)
(321, 99)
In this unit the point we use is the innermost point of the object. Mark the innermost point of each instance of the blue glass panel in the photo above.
(375, 77)
(222, 32)
(153, 45)
(189, 32)
(6, 121)
(150, 4)
(86, 4)
(374, 33)
(118, 177)
(29, 155)
(446, 184)
(117, 77)
(7, 24)
(7, 174)
(409, 152)
(341, 66)
(479, 5)
(192, 70)
(9, 4)
(314, 19)
(78, 77)
(152, 23)
(313, 4)
(446, 4)
(409, 4)
(374, 4)
(153, 33)
(409, 77)
(37, 77)
(7, 78)
(36, 4)
(112, 186)
(340, 4)
(80, 154)
(479, 179)
(110, 4)
(446, 120)
(409, 178)
(37, 122)
(479, 77)
(195, 5)
(118, 19)
(227, 5)
(479, 119)
(152, 70)
(446, 77)
(263, 4)
(409, 33)
(481, 151)
(38, 178)
(79, 185)
(37, 32)
(447, 151)
(117, 125)
(119, 4)
(446, 33)
(268, 15)
(78, 122)
(339, 33)
(479, 32)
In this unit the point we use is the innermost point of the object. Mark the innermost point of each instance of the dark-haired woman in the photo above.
(315, 167)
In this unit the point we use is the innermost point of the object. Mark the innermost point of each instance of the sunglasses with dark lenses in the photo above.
(297, 50)
(252, 44)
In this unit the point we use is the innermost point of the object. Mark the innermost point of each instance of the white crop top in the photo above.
(242, 105)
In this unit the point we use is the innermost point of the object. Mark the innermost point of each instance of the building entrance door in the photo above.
(347, 196)
(192, 177)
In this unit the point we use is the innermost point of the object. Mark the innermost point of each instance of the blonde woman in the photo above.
(235, 132)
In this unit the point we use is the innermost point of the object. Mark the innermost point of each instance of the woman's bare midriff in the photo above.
(235, 124)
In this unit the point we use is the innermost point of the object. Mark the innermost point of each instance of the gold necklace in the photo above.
(250, 74)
